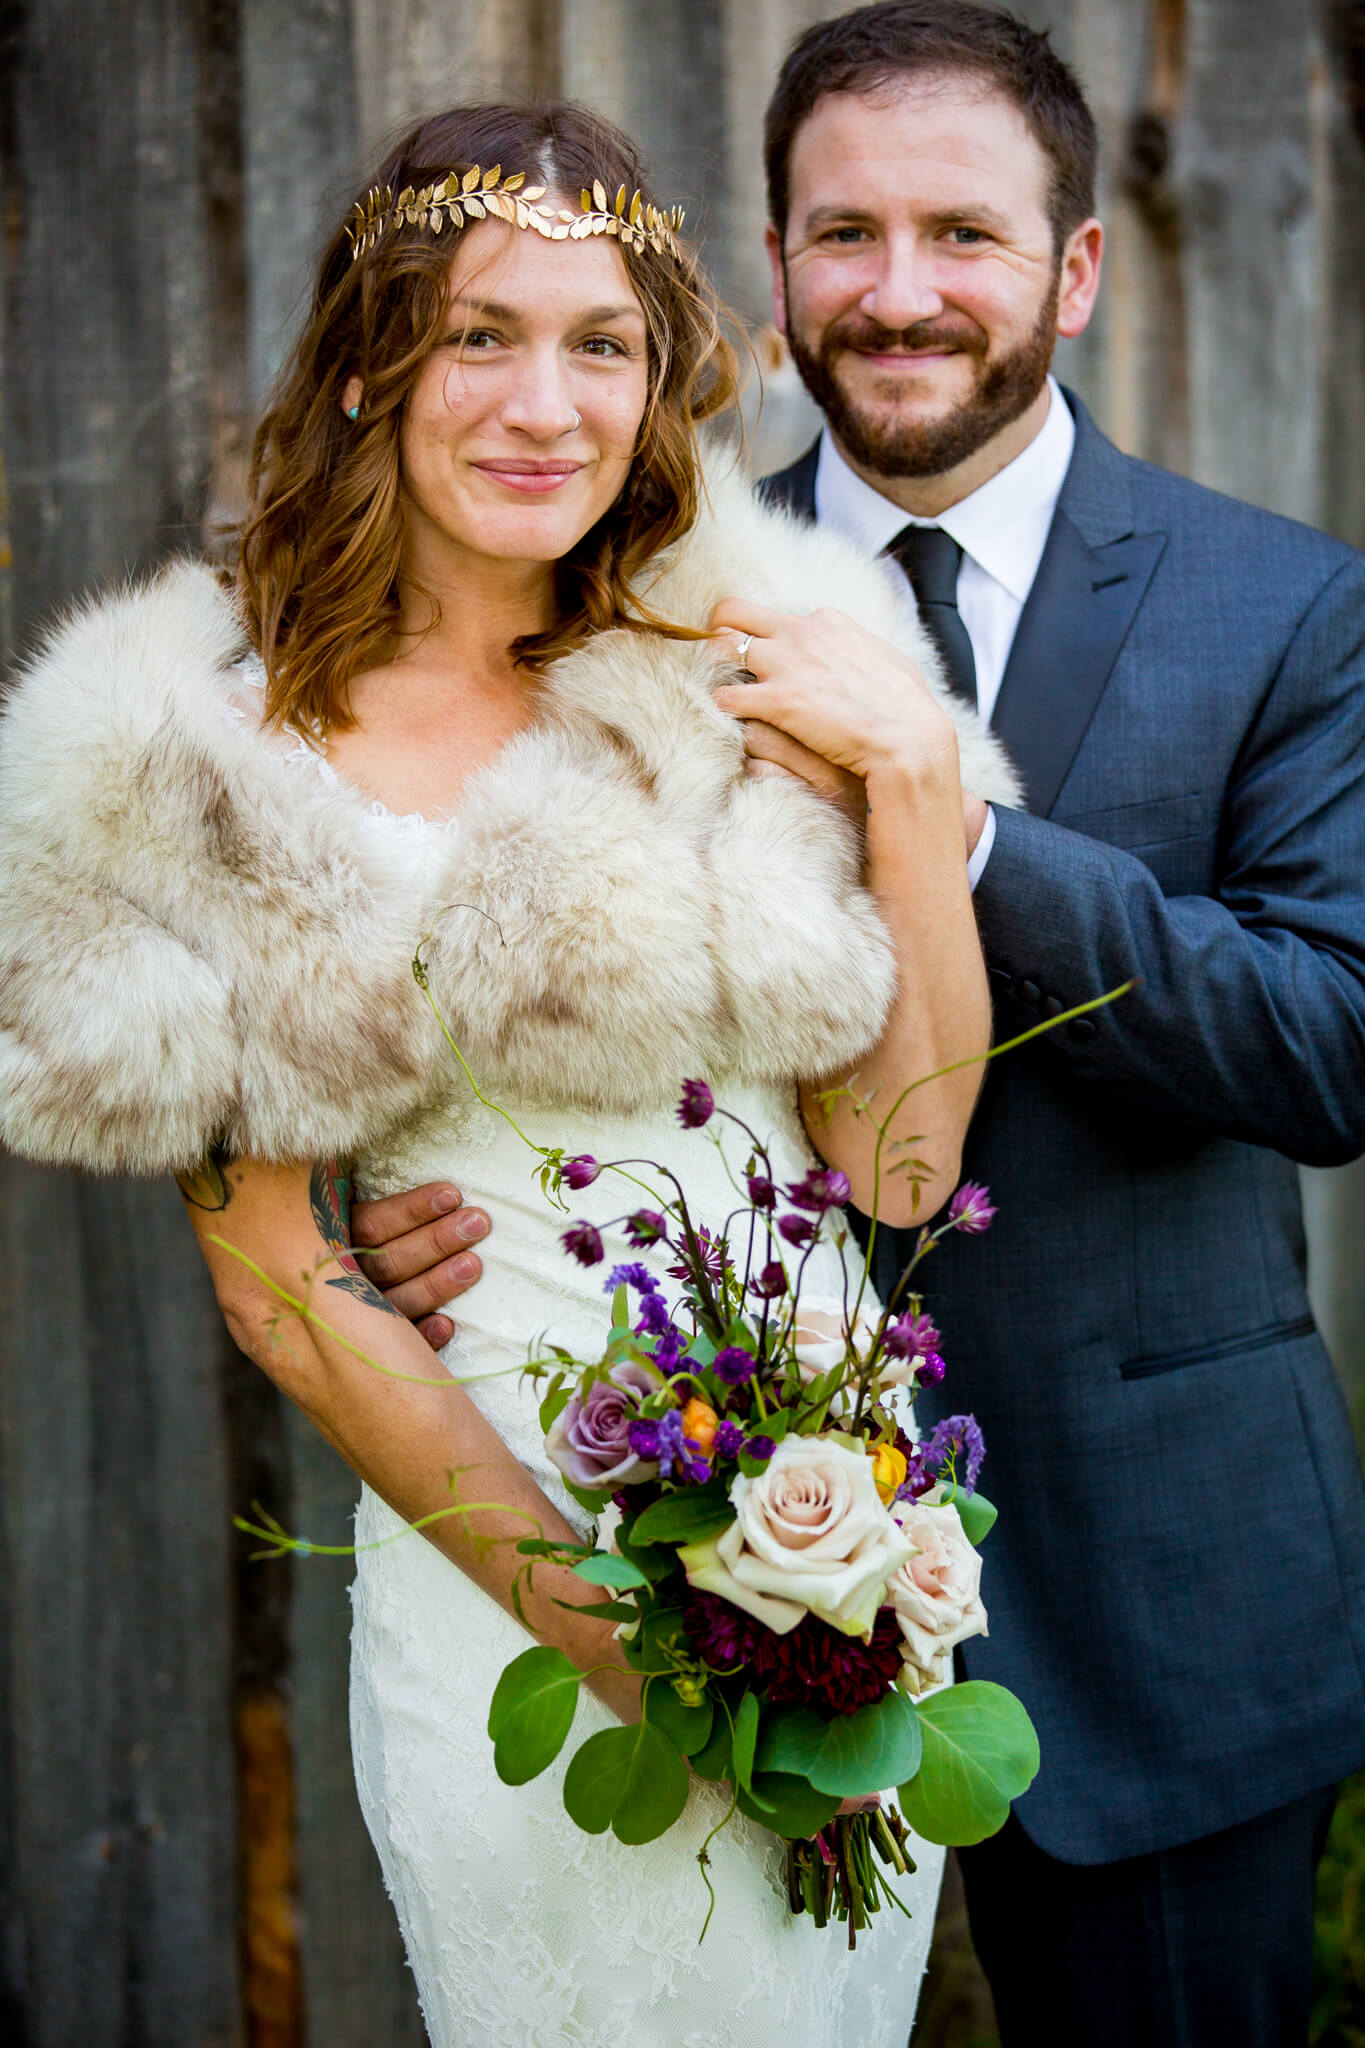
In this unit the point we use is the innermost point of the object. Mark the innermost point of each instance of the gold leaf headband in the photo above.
(475, 193)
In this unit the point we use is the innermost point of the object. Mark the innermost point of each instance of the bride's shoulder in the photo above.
(152, 665)
(741, 547)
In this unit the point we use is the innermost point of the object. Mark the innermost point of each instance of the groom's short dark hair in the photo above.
(871, 49)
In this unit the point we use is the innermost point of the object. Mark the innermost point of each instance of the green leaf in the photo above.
(602, 1569)
(655, 1564)
(620, 1308)
(777, 1424)
(688, 1728)
(554, 1404)
(976, 1514)
(631, 1780)
(701, 1350)
(744, 1741)
(604, 1610)
(593, 1499)
(850, 1754)
(714, 1761)
(787, 1805)
(531, 1712)
(980, 1752)
(684, 1517)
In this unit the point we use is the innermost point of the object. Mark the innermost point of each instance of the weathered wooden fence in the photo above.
(181, 1862)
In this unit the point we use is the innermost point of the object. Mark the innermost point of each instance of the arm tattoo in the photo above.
(205, 1186)
(329, 1193)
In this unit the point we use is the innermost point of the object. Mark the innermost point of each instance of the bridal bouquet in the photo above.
(789, 1570)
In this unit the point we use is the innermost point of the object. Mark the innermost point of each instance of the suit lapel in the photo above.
(794, 488)
(1090, 582)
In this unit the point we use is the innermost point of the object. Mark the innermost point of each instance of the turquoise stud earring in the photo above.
(353, 412)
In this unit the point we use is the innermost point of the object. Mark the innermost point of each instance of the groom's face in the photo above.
(918, 281)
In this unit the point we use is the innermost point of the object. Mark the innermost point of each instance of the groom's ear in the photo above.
(772, 242)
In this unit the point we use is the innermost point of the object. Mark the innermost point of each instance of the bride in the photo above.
(496, 681)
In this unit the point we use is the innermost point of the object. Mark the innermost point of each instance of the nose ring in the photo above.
(577, 421)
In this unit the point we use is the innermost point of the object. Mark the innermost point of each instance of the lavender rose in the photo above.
(589, 1440)
(937, 1591)
(811, 1536)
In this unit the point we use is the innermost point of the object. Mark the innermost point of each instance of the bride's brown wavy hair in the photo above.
(319, 552)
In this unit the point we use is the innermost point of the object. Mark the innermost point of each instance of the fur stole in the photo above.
(203, 938)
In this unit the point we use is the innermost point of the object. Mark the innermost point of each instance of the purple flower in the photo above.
(697, 1107)
(579, 1173)
(762, 1193)
(957, 1438)
(911, 1337)
(637, 1276)
(712, 1257)
(930, 1369)
(654, 1318)
(584, 1243)
(646, 1226)
(734, 1365)
(673, 1448)
(796, 1229)
(917, 1480)
(971, 1208)
(760, 1447)
(728, 1440)
(591, 1440)
(771, 1282)
(644, 1439)
(669, 1349)
(824, 1187)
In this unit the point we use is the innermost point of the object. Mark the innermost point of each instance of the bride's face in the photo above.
(519, 432)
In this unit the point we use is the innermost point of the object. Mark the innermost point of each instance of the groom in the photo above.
(1178, 1580)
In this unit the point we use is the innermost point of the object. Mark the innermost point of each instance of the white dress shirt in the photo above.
(1002, 529)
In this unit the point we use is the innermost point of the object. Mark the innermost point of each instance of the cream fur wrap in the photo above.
(200, 942)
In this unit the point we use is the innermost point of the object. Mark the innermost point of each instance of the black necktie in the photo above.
(931, 559)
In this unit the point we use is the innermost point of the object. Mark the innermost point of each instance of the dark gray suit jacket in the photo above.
(1177, 1584)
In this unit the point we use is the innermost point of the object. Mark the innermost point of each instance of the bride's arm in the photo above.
(853, 701)
(404, 1436)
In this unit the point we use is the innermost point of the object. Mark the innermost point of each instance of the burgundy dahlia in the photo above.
(813, 1666)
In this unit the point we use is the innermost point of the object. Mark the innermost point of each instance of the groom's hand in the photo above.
(414, 1247)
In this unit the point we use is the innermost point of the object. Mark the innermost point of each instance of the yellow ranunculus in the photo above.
(888, 1470)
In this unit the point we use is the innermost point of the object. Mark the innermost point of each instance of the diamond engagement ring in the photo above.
(742, 652)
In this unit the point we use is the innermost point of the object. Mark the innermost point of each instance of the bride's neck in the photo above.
(467, 614)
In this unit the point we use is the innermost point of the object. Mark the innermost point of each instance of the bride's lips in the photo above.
(519, 473)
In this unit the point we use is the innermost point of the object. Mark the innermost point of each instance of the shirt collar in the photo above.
(1003, 526)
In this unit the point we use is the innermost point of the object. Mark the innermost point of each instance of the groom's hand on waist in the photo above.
(414, 1247)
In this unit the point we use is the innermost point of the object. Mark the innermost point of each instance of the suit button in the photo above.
(1052, 1006)
(1027, 991)
(1081, 1027)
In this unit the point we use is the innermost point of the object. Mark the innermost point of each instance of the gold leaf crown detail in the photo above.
(475, 193)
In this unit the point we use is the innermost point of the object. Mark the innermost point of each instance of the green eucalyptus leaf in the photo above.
(688, 1728)
(655, 1564)
(980, 1752)
(684, 1517)
(745, 1741)
(531, 1712)
(849, 1755)
(976, 1514)
(701, 1350)
(713, 1761)
(605, 1610)
(631, 1780)
(602, 1569)
(787, 1804)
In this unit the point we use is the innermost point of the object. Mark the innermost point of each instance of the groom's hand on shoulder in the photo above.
(415, 1248)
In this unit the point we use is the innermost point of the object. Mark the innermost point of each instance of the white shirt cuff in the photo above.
(976, 866)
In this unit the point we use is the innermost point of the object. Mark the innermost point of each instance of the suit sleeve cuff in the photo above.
(981, 853)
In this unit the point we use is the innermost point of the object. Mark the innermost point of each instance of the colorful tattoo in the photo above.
(329, 1192)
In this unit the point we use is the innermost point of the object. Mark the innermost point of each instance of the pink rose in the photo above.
(810, 1536)
(936, 1592)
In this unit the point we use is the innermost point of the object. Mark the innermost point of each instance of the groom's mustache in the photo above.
(869, 338)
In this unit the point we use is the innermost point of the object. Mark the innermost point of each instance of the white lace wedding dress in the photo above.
(522, 1931)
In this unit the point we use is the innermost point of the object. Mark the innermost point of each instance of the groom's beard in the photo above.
(887, 446)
